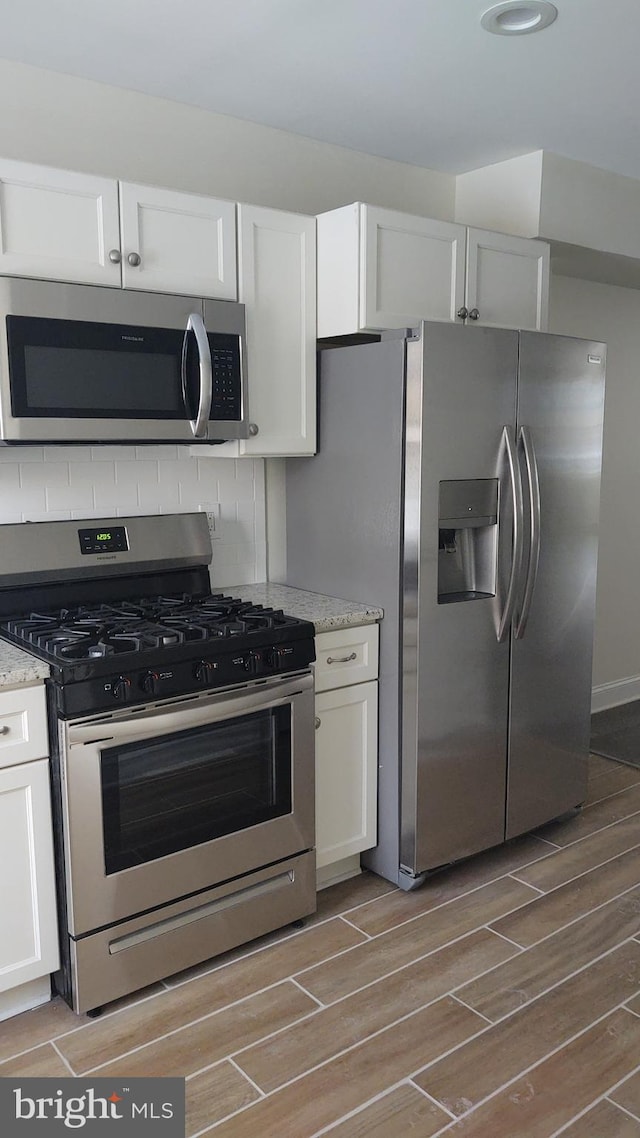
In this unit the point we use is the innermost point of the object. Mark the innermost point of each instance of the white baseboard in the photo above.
(25, 997)
(338, 871)
(618, 691)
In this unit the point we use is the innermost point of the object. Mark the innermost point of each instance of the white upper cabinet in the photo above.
(277, 284)
(58, 225)
(378, 268)
(177, 243)
(409, 266)
(507, 280)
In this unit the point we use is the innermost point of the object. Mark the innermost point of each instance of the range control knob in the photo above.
(150, 683)
(204, 671)
(253, 663)
(121, 689)
(277, 657)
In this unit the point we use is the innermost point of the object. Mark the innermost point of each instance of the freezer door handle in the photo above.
(508, 447)
(533, 485)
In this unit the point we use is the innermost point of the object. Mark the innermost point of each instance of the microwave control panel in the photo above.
(226, 400)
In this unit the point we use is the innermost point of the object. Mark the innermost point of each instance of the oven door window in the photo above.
(176, 791)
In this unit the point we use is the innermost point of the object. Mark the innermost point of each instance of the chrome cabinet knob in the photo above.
(4, 730)
(115, 256)
(253, 429)
(317, 721)
(134, 259)
(474, 314)
(462, 313)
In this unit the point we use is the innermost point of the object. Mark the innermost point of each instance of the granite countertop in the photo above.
(18, 667)
(326, 613)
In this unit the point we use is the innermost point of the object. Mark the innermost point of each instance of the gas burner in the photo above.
(147, 624)
(95, 649)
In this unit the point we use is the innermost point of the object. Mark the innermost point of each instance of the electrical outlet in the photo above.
(212, 514)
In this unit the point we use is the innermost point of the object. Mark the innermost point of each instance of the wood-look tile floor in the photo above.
(501, 1000)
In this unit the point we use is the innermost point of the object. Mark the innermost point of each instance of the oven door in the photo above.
(165, 801)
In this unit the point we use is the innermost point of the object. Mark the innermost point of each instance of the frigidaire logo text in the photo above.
(136, 339)
(141, 1108)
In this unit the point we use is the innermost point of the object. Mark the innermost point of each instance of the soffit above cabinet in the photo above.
(589, 215)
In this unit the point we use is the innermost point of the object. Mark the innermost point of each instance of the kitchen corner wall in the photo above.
(52, 483)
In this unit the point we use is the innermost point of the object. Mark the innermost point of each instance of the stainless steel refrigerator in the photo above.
(457, 485)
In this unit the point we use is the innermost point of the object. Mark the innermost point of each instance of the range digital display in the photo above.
(113, 540)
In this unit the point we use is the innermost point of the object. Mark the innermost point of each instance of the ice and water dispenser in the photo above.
(467, 536)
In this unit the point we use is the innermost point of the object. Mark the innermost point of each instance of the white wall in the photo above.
(609, 313)
(74, 123)
(51, 483)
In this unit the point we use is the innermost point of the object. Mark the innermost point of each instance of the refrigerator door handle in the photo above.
(533, 483)
(508, 447)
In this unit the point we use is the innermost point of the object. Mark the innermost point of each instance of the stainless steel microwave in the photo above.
(83, 364)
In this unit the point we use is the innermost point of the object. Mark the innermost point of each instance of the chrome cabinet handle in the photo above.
(134, 260)
(317, 721)
(474, 314)
(533, 480)
(463, 312)
(507, 446)
(195, 324)
(115, 256)
(341, 659)
(4, 730)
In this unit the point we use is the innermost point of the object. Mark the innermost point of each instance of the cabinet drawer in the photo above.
(346, 656)
(23, 725)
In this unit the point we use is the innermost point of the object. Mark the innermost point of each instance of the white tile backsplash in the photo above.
(58, 483)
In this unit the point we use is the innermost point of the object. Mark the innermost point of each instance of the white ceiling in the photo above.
(413, 80)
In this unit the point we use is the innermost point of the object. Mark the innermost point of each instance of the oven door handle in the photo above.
(182, 715)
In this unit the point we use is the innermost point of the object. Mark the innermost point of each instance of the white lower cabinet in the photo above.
(29, 936)
(346, 749)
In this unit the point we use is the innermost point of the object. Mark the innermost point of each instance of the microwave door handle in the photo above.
(195, 324)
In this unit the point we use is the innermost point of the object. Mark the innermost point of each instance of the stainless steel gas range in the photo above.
(182, 747)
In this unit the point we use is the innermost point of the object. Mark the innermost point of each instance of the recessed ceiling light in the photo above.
(515, 19)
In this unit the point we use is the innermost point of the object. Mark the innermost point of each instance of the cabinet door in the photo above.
(277, 284)
(23, 725)
(58, 225)
(346, 771)
(29, 941)
(412, 269)
(178, 243)
(507, 280)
